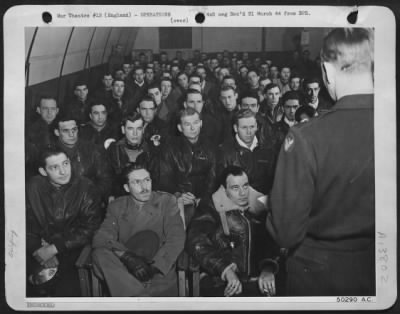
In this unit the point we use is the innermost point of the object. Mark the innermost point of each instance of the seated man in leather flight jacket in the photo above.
(187, 163)
(228, 239)
(62, 214)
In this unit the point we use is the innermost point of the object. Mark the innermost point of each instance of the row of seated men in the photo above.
(216, 156)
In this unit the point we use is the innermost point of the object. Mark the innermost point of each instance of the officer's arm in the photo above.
(293, 190)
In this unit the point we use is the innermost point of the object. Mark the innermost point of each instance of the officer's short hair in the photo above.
(131, 167)
(48, 152)
(241, 114)
(187, 112)
(132, 117)
(350, 49)
(230, 170)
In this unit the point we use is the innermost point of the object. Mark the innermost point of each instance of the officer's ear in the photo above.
(179, 127)
(38, 110)
(123, 129)
(42, 172)
(329, 72)
(185, 105)
(56, 132)
(126, 188)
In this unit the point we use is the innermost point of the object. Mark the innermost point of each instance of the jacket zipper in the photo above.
(249, 243)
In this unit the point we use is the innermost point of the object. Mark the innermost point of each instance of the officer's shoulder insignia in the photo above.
(289, 143)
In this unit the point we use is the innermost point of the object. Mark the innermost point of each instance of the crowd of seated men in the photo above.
(109, 167)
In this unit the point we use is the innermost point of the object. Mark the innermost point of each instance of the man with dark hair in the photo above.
(295, 81)
(171, 99)
(188, 162)
(208, 89)
(323, 198)
(149, 75)
(210, 129)
(139, 87)
(62, 213)
(128, 148)
(86, 158)
(119, 102)
(155, 129)
(264, 126)
(253, 83)
(116, 58)
(271, 108)
(99, 129)
(304, 114)
(273, 72)
(283, 80)
(312, 88)
(228, 98)
(39, 134)
(228, 240)
(78, 105)
(106, 86)
(242, 81)
(163, 112)
(291, 102)
(245, 150)
(137, 245)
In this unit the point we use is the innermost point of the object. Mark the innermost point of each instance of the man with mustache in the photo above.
(139, 241)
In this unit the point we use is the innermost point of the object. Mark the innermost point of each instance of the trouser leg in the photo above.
(119, 281)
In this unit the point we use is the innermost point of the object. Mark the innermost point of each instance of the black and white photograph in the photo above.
(207, 158)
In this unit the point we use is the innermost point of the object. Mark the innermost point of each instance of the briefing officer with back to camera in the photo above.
(322, 201)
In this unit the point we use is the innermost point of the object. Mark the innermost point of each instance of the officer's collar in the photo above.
(359, 101)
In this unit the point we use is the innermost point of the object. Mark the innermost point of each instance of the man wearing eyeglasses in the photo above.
(139, 241)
